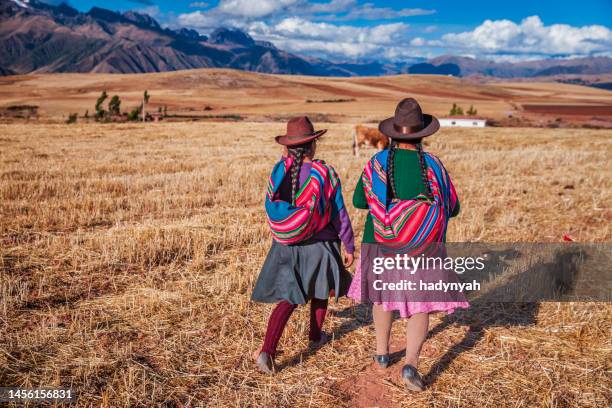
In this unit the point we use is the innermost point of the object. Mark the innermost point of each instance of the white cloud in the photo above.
(253, 9)
(299, 35)
(324, 39)
(198, 4)
(303, 26)
(334, 10)
(317, 29)
(417, 42)
(531, 36)
(347, 10)
(370, 12)
(296, 27)
(153, 11)
(197, 19)
(334, 6)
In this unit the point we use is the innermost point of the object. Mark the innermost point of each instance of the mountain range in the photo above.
(38, 37)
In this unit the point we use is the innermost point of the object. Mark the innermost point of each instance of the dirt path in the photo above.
(374, 386)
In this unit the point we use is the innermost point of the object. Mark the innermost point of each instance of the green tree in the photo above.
(472, 111)
(133, 115)
(143, 107)
(114, 105)
(100, 112)
(72, 118)
(456, 110)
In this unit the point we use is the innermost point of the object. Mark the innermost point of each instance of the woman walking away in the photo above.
(417, 187)
(308, 220)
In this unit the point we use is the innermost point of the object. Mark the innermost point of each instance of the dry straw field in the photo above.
(129, 252)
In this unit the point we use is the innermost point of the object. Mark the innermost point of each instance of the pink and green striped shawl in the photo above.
(409, 223)
(317, 202)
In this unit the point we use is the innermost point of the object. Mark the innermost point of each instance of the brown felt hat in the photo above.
(299, 131)
(409, 122)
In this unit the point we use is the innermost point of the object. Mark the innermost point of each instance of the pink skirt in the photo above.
(406, 309)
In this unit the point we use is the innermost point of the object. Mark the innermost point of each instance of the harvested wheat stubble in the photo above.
(128, 255)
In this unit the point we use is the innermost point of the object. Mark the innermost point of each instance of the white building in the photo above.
(463, 122)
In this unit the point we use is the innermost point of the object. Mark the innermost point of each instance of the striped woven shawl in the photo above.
(317, 202)
(408, 223)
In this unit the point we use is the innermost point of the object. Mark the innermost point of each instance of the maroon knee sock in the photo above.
(276, 324)
(318, 309)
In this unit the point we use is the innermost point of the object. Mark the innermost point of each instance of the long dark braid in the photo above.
(424, 177)
(392, 193)
(297, 153)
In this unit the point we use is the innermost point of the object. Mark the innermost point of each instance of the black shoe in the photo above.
(265, 363)
(382, 360)
(412, 378)
(324, 339)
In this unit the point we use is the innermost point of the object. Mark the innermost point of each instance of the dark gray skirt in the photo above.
(298, 273)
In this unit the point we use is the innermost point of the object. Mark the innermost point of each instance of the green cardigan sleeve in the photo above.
(359, 198)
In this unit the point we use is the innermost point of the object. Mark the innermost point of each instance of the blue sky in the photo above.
(396, 30)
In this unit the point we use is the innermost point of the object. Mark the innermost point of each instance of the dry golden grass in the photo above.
(129, 253)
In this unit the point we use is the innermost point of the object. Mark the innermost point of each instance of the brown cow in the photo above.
(366, 136)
